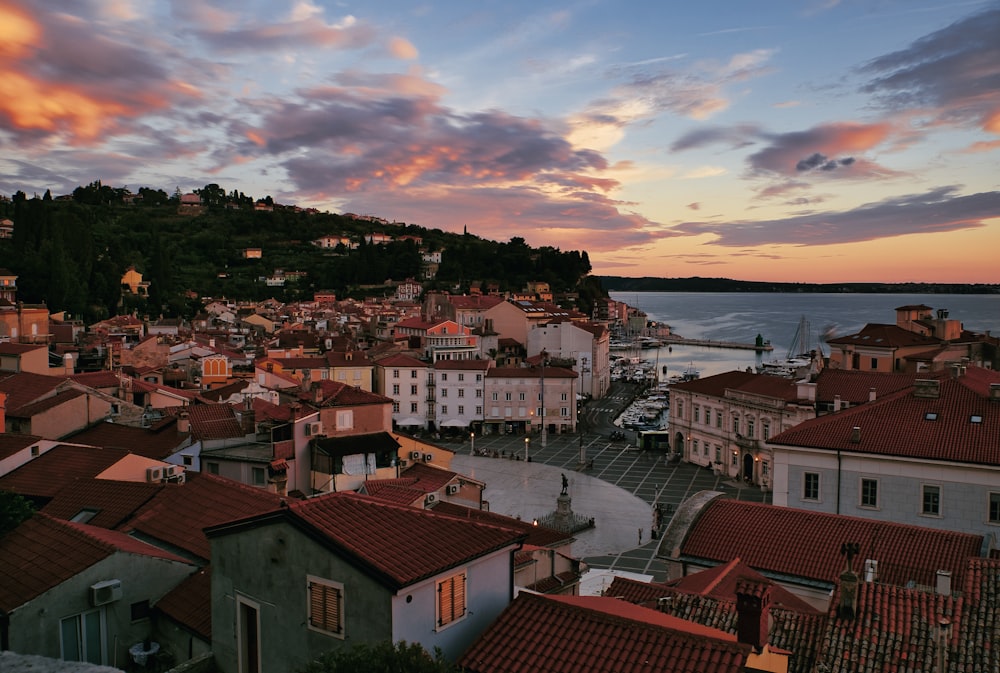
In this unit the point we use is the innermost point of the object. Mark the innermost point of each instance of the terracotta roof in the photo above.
(905, 424)
(530, 373)
(11, 444)
(156, 443)
(178, 513)
(876, 335)
(758, 384)
(45, 404)
(402, 361)
(113, 502)
(352, 358)
(214, 421)
(723, 582)
(24, 388)
(463, 365)
(394, 491)
(101, 379)
(337, 394)
(402, 545)
(799, 543)
(190, 604)
(538, 536)
(854, 386)
(46, 475)
(476, 301)
(44, 552)
(595, 634)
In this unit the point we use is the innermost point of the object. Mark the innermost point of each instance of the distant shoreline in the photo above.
(696, 284)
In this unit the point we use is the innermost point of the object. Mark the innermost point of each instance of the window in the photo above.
(718, 419)
(975, 418)
(140, 610)
(931, 505)
(461, 377)
(395, 373)
(694, 447)
(213, 468)
(736, 424)
(345, 419)
(750, 428)
(461, 392)
(506, 396)
(869, 493)
(451, 599)
(994, 512)
(765, 431)
(520, 396)
(188, 459)
(735, 459)
(395, 407)
(563, 397)
(479, 377)
(697, 414)
(257, 476)
(82, 637)
(326, 607)
(444, 409)
(494, 396)
(718, 454)
(395, 388)
(874, 363)
(479, 393)
(85, 515)
(413, 390)
(34, 451)
(413, 407)
(564, 411)
(413, 373)
(810, 486)
(444, 392)
(444, 376)
(765, 468)
(461, 410)
(479, 411)
(680, 409)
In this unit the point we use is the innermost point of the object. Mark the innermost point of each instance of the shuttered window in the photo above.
(451, 599)
(326, 605)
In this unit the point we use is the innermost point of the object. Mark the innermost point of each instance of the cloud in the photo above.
(938, 210)
(734, 136)
(823, 147)
(954, 71)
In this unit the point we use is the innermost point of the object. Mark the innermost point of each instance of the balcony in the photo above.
(747, 444)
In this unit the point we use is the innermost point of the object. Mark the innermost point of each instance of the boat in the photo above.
(795, 364)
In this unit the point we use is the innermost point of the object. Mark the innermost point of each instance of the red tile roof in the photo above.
(854, 386)
(402, 361)
(214, 421)
(538, 536)
(877, 335)
(11, 444)
(757, 384)
(156, 442)
(804, 544)
(723, 582)
(13, 348)
(24, 387)
(190, 604)
(178, 513)
(898, 425)
(394, 491)
(530, 373)
(47, 474)
(463, 365)
(44, 552)
(43, 405)
(476, 301)
(337, 394)
(113, 502)
(595, 634)
(400, 544)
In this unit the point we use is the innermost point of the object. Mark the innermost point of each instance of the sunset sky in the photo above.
(815, 141)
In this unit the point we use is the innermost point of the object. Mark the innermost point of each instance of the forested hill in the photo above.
(697, 284)
(70, 253)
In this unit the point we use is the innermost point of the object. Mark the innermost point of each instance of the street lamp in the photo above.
(472, 451)
(527, 443)
(544, 355)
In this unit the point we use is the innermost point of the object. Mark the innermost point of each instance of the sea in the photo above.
(777, 317)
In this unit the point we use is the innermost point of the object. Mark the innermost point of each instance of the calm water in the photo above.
(741, 316)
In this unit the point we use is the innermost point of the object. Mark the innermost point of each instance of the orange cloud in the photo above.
(32, 105)
(18, 31)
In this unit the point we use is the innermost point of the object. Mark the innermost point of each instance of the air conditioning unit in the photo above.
(402, 462)
(414, 455)
(180, 478)
(154, 474)
(169, 471)
(317, 428)
(105, 592)
(430, 498)
(451, 489)
(428, 457)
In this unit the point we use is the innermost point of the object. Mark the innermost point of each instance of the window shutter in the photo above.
(324, 607)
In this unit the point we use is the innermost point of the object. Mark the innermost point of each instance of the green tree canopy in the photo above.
(382, 657)
(14, 509)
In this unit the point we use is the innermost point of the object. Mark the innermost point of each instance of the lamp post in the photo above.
(527, 443)
(544, 355)
(472, 438)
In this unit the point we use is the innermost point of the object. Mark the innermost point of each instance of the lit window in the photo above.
(326, 607)
(451, 599)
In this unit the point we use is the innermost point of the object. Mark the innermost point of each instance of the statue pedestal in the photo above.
(563, 519)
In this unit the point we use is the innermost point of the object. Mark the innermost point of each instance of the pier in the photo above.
(681, 341)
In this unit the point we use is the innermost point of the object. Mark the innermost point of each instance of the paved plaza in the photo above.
(619, 490)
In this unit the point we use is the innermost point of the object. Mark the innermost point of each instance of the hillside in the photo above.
(70, 253)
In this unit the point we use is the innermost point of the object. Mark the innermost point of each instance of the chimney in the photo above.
(871, 394)
(927, 388)
(848, 583)
(836, 403)
(856, 435)
(942, 636)
(317, 394)
(995, 392)
(248, 421)
(943, 585)
(183, 423)
(211, 342)
(753, 612)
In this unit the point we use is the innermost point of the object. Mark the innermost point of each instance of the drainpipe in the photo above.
(838, 481)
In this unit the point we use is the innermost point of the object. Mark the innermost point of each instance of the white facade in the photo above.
(566, 340)
(459, 393)
(405, 380)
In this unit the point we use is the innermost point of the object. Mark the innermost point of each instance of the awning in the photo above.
(412, 420)
(454, 423)
(279, 465)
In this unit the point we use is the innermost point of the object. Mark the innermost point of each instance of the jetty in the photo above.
(760, 346)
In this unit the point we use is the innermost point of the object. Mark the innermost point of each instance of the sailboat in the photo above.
(798, 360)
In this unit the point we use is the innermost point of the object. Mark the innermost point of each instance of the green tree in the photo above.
(381, 657)
(14, 509)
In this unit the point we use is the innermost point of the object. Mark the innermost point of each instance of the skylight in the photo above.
(975, 418)
(930, 416)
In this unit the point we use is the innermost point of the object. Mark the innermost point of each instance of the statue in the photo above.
(565, 483)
